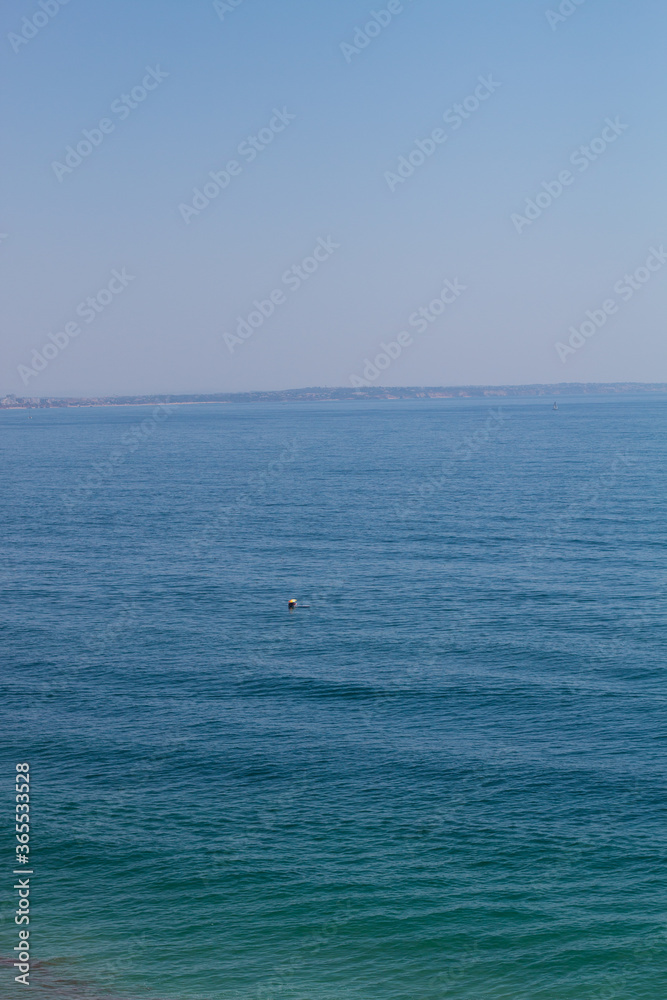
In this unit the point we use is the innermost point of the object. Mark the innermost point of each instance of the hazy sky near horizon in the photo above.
(440, 143)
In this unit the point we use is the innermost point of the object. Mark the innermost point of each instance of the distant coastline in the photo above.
(342, 393)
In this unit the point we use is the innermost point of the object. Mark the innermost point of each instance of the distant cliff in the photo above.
(319, 394)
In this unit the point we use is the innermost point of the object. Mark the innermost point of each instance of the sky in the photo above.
(247, 195)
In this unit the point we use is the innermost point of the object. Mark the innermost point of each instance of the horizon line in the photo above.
(12, 401)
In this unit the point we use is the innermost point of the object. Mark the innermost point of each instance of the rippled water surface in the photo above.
(443, 779)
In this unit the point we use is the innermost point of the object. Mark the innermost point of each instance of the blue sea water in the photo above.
(445, 778)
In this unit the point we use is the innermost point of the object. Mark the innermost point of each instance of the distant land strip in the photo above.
(323, 394)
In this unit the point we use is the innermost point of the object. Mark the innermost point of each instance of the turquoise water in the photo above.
(445, 779)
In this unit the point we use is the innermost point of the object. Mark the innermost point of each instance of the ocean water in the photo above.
(445, 778)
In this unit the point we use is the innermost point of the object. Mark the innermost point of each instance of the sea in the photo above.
(441, 777)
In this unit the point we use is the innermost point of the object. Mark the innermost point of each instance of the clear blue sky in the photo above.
(328, 175)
